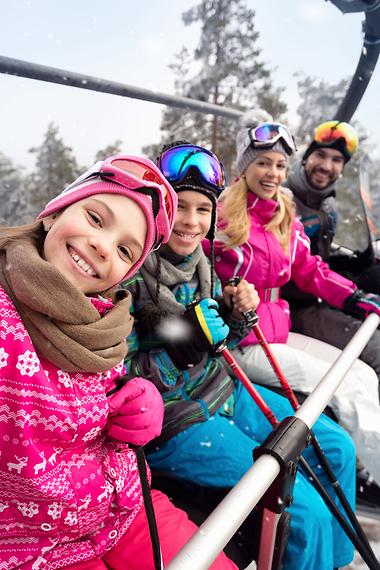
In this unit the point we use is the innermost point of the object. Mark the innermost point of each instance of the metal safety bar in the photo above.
(213, 535)
(21, 68)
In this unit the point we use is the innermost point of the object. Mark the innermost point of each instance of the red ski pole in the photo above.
(252, 317)
(362, 546)
(261, 403)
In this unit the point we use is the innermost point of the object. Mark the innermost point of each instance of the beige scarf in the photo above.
(63, 324)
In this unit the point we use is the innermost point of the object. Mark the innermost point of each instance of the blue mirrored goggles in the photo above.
(176, 162)
(269, 133)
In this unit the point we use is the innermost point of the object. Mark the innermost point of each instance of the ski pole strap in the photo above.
(145, 488)
(148, 504)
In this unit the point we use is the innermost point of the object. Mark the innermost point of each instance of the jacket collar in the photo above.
(264, 209)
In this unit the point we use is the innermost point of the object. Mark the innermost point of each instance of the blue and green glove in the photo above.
(199, 329)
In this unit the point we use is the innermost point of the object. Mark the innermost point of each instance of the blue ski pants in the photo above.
(218, 453)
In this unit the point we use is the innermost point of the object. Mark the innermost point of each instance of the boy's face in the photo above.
(94, 242)
(192, 223)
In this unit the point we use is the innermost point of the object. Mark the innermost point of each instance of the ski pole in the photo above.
(252, 317)
(314, 441)
(148, 504)
(366, 554)
(147, 497)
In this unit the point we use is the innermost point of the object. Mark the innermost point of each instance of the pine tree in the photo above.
(14, 203)
(56, 168)
(110, 150)
(231, 75)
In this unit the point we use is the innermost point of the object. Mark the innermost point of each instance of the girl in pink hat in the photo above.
(70, 492)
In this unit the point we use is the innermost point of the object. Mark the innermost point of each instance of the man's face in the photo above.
(323, 166)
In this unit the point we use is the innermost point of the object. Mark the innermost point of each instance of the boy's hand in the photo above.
(243, 296)
(199, 328)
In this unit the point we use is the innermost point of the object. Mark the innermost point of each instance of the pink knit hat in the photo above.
(142, 191)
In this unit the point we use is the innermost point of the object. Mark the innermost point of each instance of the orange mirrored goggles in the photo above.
(328, 133)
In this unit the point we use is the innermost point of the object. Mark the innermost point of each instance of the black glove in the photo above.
(197, 330)
(361, 304)
(369, 278)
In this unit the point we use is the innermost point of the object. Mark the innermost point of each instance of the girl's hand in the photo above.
(136, 412)
(244, 297)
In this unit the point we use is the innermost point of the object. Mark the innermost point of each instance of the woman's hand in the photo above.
(241, 298)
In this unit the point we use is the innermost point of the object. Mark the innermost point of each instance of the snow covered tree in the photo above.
(56, 167)
(14, 208)
(110, 150)
(230, 75)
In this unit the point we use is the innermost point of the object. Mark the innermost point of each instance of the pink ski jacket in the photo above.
(261, 261)
(67, 491)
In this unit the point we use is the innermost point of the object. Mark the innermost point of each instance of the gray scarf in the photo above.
(299, 184)
(172, 275)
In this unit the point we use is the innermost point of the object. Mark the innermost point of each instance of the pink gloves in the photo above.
(136, 412)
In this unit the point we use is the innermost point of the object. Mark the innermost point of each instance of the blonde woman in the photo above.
(260, 240)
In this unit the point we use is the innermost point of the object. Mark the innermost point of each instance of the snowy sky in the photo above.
(132, 42)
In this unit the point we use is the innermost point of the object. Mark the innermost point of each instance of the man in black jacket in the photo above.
(312, 182)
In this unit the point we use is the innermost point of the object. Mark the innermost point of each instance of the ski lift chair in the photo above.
(199, 502)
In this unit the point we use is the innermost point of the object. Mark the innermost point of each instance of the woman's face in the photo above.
(265, 174)
(95, 242)
(192, 223)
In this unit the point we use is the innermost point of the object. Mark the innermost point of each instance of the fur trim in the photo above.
(254, 118)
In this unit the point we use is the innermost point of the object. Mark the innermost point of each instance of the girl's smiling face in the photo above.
(95, 241)
(192, 222)
(265, 174)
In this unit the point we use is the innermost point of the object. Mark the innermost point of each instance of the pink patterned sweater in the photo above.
(67, 491)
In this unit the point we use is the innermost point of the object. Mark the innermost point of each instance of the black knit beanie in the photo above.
(339, 144)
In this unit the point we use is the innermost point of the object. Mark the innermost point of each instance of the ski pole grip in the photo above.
(251, 317)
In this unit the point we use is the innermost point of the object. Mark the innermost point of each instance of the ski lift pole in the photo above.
(365, 552)
(252, 317)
